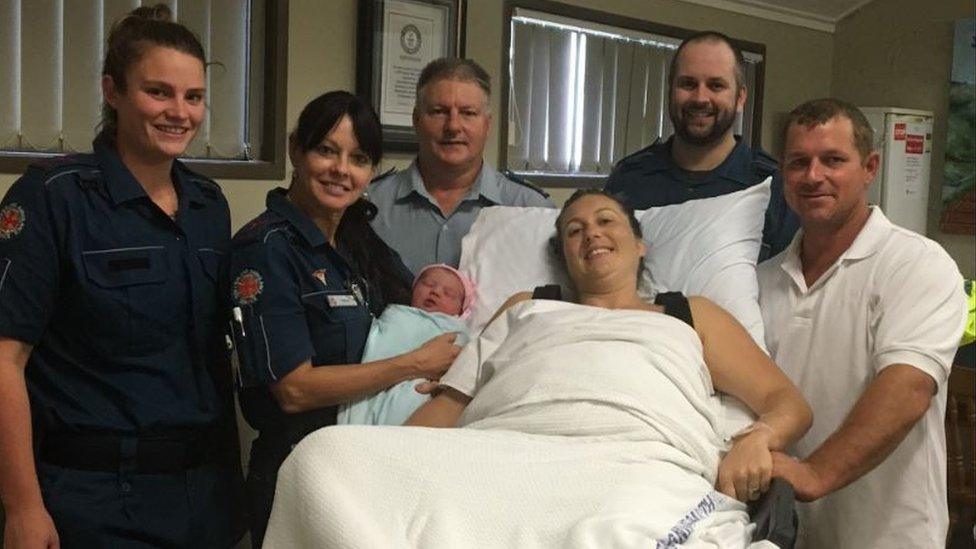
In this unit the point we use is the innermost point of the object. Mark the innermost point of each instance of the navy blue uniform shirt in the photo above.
(649, 178)
(119, 300)
(300, 299)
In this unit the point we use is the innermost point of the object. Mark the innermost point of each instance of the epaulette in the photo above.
(383, 175)
(639, 152)
(519, 180)
(52, 163)
(255, 229)
(763, 163)
(207, 186)
(83, 165)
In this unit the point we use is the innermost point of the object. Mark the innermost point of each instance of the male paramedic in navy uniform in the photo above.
(703, 158)
(864, 316)
(424, 211)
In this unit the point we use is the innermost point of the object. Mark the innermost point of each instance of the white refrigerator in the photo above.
(903, 138)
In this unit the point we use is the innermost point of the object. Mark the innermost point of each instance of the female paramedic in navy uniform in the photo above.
(309, 274)
(112, 339)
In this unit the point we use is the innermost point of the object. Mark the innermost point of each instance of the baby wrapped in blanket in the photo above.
(441, 297)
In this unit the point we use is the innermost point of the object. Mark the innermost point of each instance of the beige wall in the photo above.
(898, 53)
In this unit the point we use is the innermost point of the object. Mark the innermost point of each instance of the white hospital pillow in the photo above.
(702, 247)
(506, 252)
(709, 247)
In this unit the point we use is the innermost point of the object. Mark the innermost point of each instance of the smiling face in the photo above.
(162, 105)
(825, 179)
(704, 94)
(598, 242)
(332, 175)
(438, 291)
(452, 123)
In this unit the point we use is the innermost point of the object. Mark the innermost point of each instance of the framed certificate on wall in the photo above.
(396, 40)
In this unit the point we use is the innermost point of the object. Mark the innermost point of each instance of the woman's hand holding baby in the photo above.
(433, 358)
(746, 470)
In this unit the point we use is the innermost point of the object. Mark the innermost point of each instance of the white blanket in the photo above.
(590, 428)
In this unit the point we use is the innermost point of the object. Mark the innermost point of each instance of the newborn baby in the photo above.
(441, 297)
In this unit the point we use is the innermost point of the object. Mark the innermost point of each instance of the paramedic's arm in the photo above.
(897, 398)
(28, 524)
(308, 388)
(740, 368)
(443, 410)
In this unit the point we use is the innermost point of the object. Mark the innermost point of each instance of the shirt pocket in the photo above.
(129, 310)
(338, 326)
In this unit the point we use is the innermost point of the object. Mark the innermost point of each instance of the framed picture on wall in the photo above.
(396, 40)
(959, 178)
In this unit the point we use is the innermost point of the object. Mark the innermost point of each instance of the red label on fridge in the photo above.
(914, 144)
(900, 130)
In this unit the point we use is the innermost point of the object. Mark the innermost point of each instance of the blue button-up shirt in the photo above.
(121, 302)
(650, 178)
(300, 299)
(411, 222)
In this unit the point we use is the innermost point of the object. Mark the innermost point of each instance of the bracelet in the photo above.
(756, 425)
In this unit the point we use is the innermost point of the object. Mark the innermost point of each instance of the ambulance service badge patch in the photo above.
(11, 221)
(247, 287)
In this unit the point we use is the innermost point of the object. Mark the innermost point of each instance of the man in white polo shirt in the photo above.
(864, 317)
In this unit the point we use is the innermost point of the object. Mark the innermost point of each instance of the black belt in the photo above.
(139, 454)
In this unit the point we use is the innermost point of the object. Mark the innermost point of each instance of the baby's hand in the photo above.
(426, 387)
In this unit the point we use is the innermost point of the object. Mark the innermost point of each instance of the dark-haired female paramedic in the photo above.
(308, 275)
(116, 410)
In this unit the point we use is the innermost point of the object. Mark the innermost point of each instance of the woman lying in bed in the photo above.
(585, 425)
(599, 239)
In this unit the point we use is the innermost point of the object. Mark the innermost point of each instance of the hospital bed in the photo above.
(704, 247)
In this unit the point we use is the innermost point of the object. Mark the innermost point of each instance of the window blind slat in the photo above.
(608, 101)
(592, 104)
(228, 80)
(625, 58)
(41, 83)
(560, 118)
(540, 98)
(520, 114)
(196, 16)
(10, 75)
(655, 104)
(635, 119)
(83, 39)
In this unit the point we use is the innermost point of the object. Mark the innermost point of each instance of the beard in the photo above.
(681, 119)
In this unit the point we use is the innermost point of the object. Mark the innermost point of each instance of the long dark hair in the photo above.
(355, 236)
(129, 40)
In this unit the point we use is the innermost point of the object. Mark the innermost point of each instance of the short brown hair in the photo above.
(820, 111)
(454, 68)
(713, 37)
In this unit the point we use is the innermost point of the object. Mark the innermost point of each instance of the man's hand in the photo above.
(30, 529)
(807, 483)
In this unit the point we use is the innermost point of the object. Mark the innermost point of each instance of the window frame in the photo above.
(270, 161)
(572, 181)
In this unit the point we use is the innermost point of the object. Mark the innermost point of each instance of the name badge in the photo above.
(342, 301)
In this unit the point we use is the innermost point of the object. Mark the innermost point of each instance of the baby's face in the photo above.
(438, 291)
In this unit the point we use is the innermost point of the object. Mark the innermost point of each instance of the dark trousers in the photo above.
(267, 454)
(197, 508)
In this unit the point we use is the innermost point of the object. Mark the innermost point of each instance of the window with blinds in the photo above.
(50, 93)
(584, 94)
